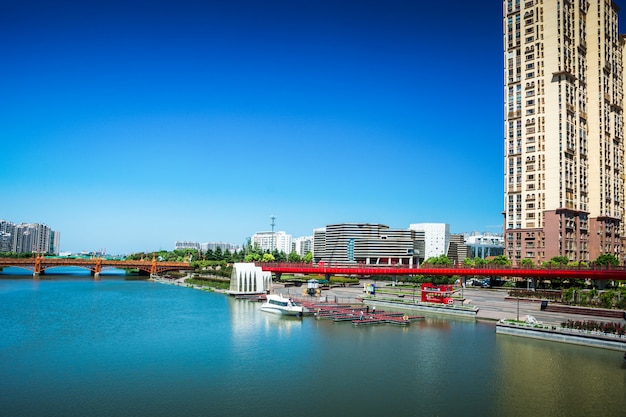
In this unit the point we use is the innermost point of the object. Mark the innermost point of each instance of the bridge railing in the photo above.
(323, 265)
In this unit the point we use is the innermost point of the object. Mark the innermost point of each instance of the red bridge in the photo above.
(595, 272)
(40, 264)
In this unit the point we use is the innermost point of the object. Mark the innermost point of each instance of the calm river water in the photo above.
(71, 346)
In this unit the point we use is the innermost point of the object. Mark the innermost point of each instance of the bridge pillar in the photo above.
(37, 268)
(97, 268)
(327, 277)
(153, 266)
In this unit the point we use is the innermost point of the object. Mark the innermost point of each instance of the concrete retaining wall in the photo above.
(564, 336)
(447, 310)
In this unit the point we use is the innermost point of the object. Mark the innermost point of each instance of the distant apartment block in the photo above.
(204, 247)
(268, 241)
(28, 238)
(563, 130)
(181, 245)
(436, 238)
(223, 246)
(302, 245)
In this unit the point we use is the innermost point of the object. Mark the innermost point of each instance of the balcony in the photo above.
(514, 114)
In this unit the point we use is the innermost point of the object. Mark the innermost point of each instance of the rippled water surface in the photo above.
(71, 346)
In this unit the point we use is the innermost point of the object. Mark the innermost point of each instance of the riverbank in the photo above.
(478, 304)
(556, 334)
(457, 311)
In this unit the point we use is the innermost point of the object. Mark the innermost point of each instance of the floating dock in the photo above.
(359, 316)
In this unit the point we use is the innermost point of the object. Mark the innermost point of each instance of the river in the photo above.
(72, 346)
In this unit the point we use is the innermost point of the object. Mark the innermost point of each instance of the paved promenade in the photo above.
(492, 304)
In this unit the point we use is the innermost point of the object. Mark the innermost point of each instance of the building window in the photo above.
(350, 250)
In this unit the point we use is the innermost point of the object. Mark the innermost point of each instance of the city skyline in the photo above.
(132, 126)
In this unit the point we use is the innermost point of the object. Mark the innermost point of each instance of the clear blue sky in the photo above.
(128, 125)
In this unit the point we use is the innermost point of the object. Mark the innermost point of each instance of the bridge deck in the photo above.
(597, 272)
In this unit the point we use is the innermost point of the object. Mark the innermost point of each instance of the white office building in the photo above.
(268, 241)
(436, 238)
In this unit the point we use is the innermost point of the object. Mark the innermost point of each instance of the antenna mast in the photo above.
(273, 223)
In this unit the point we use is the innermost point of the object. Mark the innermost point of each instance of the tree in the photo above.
(308, 258)
(607, 259)
(468, 262)
(501, 260)
(268, 257)
(279, 256)
(294, 257)
(252, 257)
(479, 262)
(527, 263)
(441, 260)
(559, 260)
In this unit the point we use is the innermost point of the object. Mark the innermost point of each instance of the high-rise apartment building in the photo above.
(28, 238)
(564, 130)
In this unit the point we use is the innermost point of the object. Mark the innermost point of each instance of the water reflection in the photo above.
(539, 376)
(68, 347)
(280, 323)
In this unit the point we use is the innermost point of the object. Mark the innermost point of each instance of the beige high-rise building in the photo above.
(564, 130)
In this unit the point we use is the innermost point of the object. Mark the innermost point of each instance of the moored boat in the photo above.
(276, 303)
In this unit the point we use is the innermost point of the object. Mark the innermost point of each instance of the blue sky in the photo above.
(130, 125)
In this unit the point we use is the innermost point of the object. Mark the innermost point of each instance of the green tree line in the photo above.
(249, 253)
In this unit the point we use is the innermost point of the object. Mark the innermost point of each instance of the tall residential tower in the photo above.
(564, 130)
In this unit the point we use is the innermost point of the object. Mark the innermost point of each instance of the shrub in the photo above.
(595, 326)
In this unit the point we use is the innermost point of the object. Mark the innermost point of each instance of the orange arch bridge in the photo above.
(594, 273)
(40, 264)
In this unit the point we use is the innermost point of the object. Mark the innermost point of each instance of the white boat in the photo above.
(276, 303)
